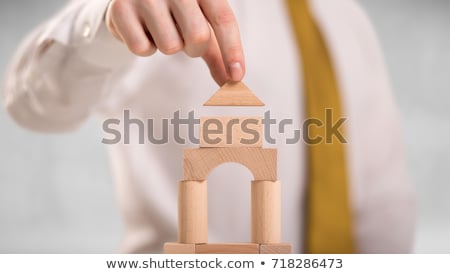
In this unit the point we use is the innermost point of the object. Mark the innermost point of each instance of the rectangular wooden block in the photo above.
(231, 131)
(177, 248)
(227, 248)
(281, 248)
(234, 94)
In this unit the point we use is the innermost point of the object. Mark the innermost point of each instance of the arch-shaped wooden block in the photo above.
(199, 162)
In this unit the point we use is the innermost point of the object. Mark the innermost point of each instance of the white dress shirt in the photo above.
(86, 72)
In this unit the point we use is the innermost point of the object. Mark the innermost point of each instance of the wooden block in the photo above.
(178, 248)
(227, 248)
(266, 212)
(231, 132)
(199, 162)
(281, 248)
(234, 94)
(192, 212)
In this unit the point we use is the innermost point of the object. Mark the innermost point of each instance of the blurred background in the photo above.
(55, 199)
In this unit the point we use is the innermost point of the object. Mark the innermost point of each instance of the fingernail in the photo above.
(236, 72)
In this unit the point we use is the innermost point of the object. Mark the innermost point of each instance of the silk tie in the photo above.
(328, 218)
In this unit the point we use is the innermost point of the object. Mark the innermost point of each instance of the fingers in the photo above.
(206, 28)
(193, 26)
(223, 22)
(159, 22)
(214, 60)
(123, 20)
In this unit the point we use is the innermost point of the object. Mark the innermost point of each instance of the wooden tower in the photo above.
(230, 144)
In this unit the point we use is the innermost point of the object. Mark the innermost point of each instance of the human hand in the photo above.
(201, 28)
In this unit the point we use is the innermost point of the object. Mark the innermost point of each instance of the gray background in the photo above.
(55, 199)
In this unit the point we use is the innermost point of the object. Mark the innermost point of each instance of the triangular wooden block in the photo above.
(234, 94)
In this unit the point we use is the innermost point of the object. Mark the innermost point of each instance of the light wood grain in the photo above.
(234, 94)
(266, 212)
(227, 248)
(192, 212)
(199, 162)
(231, 131)
(178, 248)
(281, 248)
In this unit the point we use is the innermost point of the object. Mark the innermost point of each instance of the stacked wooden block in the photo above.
(222, 140)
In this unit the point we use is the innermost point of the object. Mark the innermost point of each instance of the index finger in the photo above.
(226, 30)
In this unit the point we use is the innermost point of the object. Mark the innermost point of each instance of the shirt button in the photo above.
(87, 31)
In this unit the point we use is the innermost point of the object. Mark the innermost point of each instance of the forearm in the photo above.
(58, 75)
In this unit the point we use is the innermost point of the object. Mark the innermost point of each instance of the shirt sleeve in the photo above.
(58, 74)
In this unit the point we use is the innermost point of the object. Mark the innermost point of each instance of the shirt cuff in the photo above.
(94, 43)
(81, 27)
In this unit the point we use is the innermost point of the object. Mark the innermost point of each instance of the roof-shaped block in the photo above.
(234, 94)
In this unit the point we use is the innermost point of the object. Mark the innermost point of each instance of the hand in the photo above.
(202, 28)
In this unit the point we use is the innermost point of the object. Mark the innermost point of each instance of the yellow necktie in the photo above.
(328, 227)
